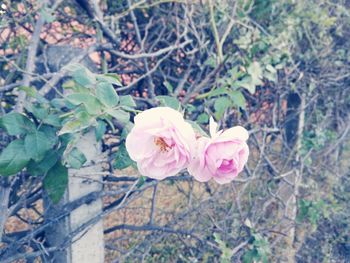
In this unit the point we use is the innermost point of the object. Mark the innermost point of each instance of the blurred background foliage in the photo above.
(279, 68)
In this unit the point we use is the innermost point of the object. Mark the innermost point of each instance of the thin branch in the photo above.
(30, 64)
(147, 55)
(215, 31)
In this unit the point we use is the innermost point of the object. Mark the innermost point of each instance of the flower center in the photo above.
(162, 145)
(226, 166)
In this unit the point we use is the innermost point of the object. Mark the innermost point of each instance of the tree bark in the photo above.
(88, 245)
(5, 190)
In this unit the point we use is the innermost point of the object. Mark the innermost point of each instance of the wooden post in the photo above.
(88, 245)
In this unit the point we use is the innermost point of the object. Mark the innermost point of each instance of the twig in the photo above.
(30, 64)
(151, 86)
(153, 204)
(147, 55)
(215, 32)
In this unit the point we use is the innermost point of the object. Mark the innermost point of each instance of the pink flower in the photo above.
(220, 157)
(160, 142)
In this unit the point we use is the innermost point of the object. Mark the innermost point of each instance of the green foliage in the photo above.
(109, 78)
(253, 79)
(229, 92)
(305, 42)
(122, 159)
(16, 124)
(127, 101)
(13, 158)
(317, 139)
(169, 87)
(221, 105)
(226, 252)
(259, 250)
(141, 181)
(120, 115)
(42, 167)
(100, 130)
(238, 99)
(203, 118)
(97, 100)
(82, 75)
(262, 10)
(55, 182)
(37, 144)
(311, 211)
(197, 128)
(169, 101)
(107, 94)
(75, 159)
(91, 103)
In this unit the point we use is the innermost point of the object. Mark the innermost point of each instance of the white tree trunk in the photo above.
(88, 245)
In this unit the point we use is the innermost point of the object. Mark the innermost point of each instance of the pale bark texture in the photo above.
(87, 245)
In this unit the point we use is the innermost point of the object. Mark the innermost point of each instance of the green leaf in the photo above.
(203, 118)
(81, 74)
(55, 182)
(190, 108)
(50, 133)
(247, 83)
(53, 119)
(226, 252)
(72, 126)
(235, 73)
(75, 159)
(211, 61)
(69, 84)
(141, 181)
(122, 158)
(37, 144)
(237, 98)
(198, 128)
(39, 112)
(221, 105)
(83, 116)
(13, 158)
(217, 92)
(127, 100)
(100, 130)
(110, 78)
(250, 256)
(16, 124)
(121, 116)
(107, 94)
(107, 119)
(40, 168)
(59, 103)
(255, 71)
(169, 101)
(270, 73)
(254, 79)
(91, 103)
(270, 68)
(168, 86)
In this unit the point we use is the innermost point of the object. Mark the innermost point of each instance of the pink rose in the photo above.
(220, 157)
(160, 142)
